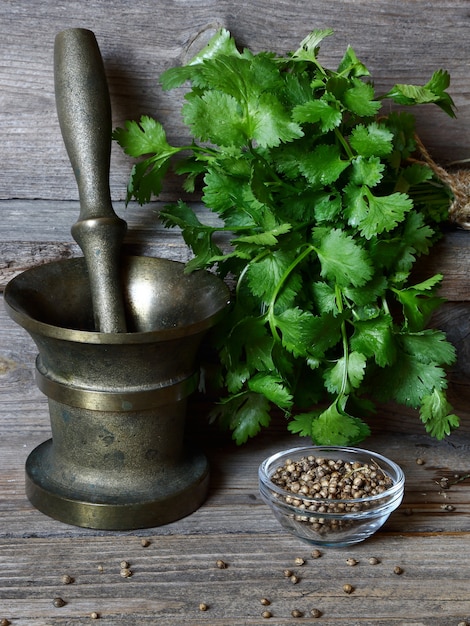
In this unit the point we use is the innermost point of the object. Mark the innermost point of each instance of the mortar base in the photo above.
(183, 490)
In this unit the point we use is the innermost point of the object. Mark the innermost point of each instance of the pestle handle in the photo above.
(84, 111)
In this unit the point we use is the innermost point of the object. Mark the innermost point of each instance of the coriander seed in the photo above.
(352, 562)
(144, 543)
(447, 507)
(315, 613)
(265, 602)
(397, 570)
(95, 615)
(294, 579)
(419, 461)
(316, 554)
(5, 622)
(221, 564)
(299, 560)
(266, 614)
(297, 613)
(288, 573)
(59, 602)
(126, 572)
(203, 606)
(373, 560)
(67, 580)
(348, 588)
(124, 565)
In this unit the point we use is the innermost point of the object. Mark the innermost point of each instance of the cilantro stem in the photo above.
(280, 284)
(344, 337)
(345, 144)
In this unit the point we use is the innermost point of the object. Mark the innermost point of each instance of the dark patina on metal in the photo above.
(117, 337)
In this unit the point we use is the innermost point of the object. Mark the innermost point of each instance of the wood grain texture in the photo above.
(399, 42)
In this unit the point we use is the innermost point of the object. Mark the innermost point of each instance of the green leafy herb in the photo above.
(327, 215)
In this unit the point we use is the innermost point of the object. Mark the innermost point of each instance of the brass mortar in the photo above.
(117, 338)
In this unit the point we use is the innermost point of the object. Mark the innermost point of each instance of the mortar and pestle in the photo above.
(117, 337)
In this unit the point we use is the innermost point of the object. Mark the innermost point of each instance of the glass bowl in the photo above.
(329, 495)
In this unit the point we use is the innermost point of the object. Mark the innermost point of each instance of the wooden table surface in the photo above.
(428, 537)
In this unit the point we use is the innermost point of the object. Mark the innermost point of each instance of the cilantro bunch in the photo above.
(327, 212)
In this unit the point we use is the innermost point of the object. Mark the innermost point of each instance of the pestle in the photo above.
(84, 111)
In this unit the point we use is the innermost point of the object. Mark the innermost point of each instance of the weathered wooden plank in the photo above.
(35, 232)
(171, 577)
(402, 42)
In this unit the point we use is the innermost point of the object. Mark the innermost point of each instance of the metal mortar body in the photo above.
(117, 401)
(118, 339)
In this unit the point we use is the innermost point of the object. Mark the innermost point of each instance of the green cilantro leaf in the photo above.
(436, 414)
(244, 415)
(417, 368)
(322, 110)
(419, 302)
(367, 171)
(334, 427)
(265, 275)
(351, 66)
(196, 234)
(309, 46)
(371, 140)
(272, 387)
(146, 137)
(301, 424)
(375, 338)
(432, 92)
(322, 166)
(360, 99)
(374, 214)
(346, 374)
(297, 328)
(342, 259)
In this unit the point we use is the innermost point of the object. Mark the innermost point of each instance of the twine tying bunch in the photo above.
(458, 182)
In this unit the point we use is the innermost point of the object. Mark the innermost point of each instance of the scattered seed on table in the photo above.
(299, 560)
(397, 570)
(347, 588)
(297, 613)
(265, 602)
(316, 554)
(126, 572)
(124, 565)
(203, 606)
(67, 580)
(373, 560)
(95, 615)
(221, 564)
(294, 579)
(315, 613)
(288, 573)
(352, 562)
(58, 602)
(100, 568)
(419, 461)
(144, 543)
(266, 614)
(447, 507)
